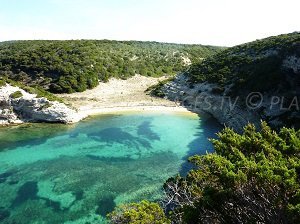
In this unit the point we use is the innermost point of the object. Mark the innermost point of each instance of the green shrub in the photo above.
(16, 94)
(137, 213)
(2, 82)
(156, 90)
(251, 178)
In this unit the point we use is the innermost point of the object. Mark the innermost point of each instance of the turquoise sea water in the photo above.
(51, 173)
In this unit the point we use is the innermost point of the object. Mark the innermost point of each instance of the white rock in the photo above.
(29, 108)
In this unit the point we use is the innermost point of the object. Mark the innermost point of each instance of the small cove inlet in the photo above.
(52, 173)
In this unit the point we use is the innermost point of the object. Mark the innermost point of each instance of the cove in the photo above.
(52, 173)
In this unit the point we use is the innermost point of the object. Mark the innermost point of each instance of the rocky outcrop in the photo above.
(233, 111)
(202, 98)
(18, 106)
(292, 62)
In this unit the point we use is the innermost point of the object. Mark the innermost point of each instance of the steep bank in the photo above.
(247, 83)
(202, 99)
(18, 106)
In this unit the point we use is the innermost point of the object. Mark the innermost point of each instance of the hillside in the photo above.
(256, 81)
(260, 65)
(77, 65)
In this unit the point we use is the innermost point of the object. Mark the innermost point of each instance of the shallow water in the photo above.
(51, 173)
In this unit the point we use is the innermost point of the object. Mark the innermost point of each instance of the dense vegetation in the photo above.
(137, 213)
(39, 91)
(254, 66)
(75, 65)
(252, 177)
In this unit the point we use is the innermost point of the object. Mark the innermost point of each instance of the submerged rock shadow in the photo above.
(110, 159)
(117, 135)
(106, 205)
(145, 130)
(29, 191)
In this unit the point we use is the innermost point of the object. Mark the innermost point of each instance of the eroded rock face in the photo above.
(201, 98)
(292, 62)
(26, 107)
(233, 111)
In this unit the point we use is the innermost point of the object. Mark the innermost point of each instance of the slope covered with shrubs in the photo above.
(76, 65)
(261, 65)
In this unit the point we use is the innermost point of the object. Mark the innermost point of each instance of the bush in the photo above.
(156, 90)
(137, 213)
(16, 94)
(2, 82)
(251, 178)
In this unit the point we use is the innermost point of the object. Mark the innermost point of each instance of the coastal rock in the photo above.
(292, 62)
(200, 98)
(17, 106)
(237, 111)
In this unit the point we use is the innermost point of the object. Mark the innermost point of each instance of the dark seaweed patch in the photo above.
(53, 204)
(27, 191)
(117, 135)
(4, 214)
(78, 195)
(145, 130)
(13, 182)
(2, 180)
(110, 159)
(4, 176)
(105, 205)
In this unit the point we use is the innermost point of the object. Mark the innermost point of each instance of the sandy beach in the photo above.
(121, 96)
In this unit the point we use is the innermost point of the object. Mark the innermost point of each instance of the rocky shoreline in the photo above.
(202, 99)
(18, 106)
(234, 112)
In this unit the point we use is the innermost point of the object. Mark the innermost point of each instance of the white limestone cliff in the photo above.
(26, 107)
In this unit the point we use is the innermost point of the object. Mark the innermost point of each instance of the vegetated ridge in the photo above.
(76, 65)
(269, 67)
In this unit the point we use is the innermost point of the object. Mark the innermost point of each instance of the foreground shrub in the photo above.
(137, 213)
(251, 178)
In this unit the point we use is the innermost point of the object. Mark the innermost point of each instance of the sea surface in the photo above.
(55, 173)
